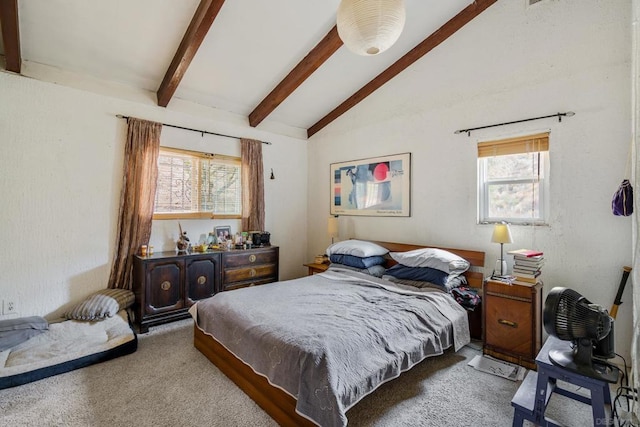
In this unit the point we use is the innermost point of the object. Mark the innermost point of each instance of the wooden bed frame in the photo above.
(276, 402)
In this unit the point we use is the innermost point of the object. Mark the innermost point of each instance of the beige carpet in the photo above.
(167, 382)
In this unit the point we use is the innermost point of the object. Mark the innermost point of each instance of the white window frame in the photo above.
(198, 158)
(542, 178)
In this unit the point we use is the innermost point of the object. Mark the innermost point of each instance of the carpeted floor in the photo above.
(167, 382)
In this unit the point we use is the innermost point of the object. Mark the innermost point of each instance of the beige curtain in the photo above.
(252, 185)
(136, 198)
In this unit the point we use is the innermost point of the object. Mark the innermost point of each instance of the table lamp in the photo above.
(332, 227)
(502, 235)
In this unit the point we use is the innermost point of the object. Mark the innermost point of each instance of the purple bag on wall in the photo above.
(622, 202)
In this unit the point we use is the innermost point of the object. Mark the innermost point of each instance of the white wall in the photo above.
(62, 156)
(510, 63)
(61, 168)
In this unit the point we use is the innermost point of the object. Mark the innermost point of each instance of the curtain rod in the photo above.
(120, 116)
(558, 115)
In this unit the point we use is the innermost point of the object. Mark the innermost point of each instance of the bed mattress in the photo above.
(332, 338)
(67, 346)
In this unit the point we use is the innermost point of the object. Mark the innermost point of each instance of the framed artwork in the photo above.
(379, 186)
(223, 232)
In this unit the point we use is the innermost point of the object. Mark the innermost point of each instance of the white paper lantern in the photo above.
(369, 27)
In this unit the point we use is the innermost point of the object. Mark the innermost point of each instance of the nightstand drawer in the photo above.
(508, 324)
(498, 288)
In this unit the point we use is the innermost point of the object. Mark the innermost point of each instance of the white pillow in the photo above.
(434, 258)
(358, 248)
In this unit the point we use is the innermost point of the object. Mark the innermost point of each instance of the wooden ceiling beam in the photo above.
(11, 34)
(310, 63)
(193, 37)
(440, 35)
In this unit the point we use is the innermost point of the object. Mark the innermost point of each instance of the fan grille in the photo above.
(572, 316)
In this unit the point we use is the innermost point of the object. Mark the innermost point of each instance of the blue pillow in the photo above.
(374, 270)
(425, 274)
(357, 262)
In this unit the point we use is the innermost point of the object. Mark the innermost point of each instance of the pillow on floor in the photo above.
(102, 304)
(17, 331)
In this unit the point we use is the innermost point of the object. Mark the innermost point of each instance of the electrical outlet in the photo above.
(9, 307)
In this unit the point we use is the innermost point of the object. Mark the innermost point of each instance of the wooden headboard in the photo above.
(475, 258)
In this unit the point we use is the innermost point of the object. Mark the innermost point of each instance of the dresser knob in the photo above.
(252, 272)
(202, 280)
(165, 285)
(252, 258)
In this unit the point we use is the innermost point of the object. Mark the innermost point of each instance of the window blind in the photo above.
(192, 182)
(519, 145)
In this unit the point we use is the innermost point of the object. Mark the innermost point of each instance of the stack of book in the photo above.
(527, 264)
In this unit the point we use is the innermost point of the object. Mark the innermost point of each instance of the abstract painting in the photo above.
(379, 186)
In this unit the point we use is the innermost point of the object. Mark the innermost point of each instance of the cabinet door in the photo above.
(163, 292)
(201, 278)
(508, 324)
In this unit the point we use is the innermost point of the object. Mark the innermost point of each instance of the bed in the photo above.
(296, 347)
(65, 346)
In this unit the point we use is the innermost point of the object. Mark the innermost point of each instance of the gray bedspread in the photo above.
(332, 338)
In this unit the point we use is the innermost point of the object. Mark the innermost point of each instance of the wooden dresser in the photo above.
(166, 284)
(512, 321)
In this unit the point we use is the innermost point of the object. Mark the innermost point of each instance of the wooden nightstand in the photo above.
(316, 267)
(512, 321)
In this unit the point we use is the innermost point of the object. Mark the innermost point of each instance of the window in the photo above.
(197, 185)
(513, 180)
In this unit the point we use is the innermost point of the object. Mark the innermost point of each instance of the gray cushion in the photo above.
(19, 330)
(102, 304)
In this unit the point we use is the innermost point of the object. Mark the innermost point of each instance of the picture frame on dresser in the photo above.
(222, 230)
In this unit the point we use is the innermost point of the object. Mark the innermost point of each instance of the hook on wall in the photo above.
(272, 175)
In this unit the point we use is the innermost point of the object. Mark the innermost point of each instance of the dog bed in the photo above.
(66, 346)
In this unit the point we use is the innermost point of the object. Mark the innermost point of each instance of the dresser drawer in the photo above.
(244, 259)
(249, 267)
(237, 285)
(249, 273)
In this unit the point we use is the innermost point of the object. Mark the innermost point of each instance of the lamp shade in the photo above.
(369, 27)
(501, 233)
(332, 226)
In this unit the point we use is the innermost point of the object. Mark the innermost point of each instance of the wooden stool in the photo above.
(532, 397)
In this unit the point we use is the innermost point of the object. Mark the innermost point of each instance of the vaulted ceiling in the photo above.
(277, 60)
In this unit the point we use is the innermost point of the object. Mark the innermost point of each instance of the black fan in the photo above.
(571, 317)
